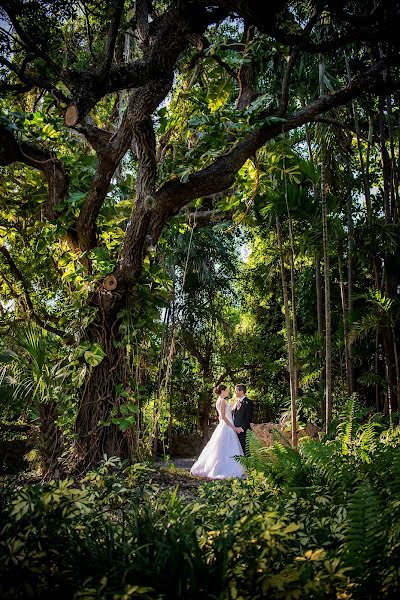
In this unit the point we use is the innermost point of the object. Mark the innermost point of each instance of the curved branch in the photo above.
(142, 21)
(289, 67)
(141, 104)
(340, 125)
(220, 175)
(20, 278)
(172, 36)
(98, 138)
(12, 150)
(132, 253)
(112, 36)
(263, 15)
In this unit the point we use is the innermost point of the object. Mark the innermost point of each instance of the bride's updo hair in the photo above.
(219, 388)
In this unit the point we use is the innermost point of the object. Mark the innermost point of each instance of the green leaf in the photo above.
(95, 355)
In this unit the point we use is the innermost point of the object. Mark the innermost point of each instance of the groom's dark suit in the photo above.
(242, 417)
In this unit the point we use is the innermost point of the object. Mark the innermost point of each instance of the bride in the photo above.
(217, 458)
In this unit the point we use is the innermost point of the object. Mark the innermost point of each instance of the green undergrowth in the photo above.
(320, 523)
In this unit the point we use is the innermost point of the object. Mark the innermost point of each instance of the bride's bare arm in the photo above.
(225, 420)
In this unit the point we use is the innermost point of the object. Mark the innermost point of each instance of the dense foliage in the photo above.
(321, 523)
(195, 192)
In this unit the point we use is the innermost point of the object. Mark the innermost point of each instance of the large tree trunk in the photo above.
(204, 415)
(99, 405)
(205, 402)
(318, 293)
(51, 441)
(389, 276)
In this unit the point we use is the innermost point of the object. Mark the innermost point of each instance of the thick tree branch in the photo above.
(220, 175)
(12, 150)
(263, 15)
(28, 80)
(14, 11)
(202, 53)
(289, 67)
(171, 37)
(20, 278)
(131, 257)
(206, 218)
(245, 76)
(142, 21)
(112, 36)
(134, 248)
(109, 157)
(97, 138)
(141, 104)
(338, 124)
(229, 372)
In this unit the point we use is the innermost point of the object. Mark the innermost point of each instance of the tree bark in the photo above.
(99, 403)
(389, 278)
(51, 442)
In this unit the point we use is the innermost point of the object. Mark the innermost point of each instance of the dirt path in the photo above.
(175, 472)
(178, 463)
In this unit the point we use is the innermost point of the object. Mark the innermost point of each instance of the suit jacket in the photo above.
(243, 416)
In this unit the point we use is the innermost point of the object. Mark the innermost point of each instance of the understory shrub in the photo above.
(319, 523)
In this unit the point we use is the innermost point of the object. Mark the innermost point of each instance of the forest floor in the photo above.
(177, 463)
(166, 474)
(175, 472)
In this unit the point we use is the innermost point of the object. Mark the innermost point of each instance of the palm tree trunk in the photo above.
(318, 289)
(364, 171)
(388, 280)
(327, 289)
(377, 385)
(350, 283)
(292, 370)
(320, 320)
(390, 375)
(345, 326)
(292, 289)
(396, 363)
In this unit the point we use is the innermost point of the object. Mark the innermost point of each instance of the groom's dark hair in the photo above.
(241, 387)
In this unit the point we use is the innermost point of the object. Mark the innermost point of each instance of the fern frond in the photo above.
(364, 536)
(345, 427)
(326, 463)
(393, 475)
(367, 441)
(280, 462)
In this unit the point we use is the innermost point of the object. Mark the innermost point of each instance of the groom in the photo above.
(242, 413)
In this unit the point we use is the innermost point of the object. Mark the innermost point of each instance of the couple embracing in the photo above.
(229, 438)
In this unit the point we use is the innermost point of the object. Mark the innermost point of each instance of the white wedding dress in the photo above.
(216, 460)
